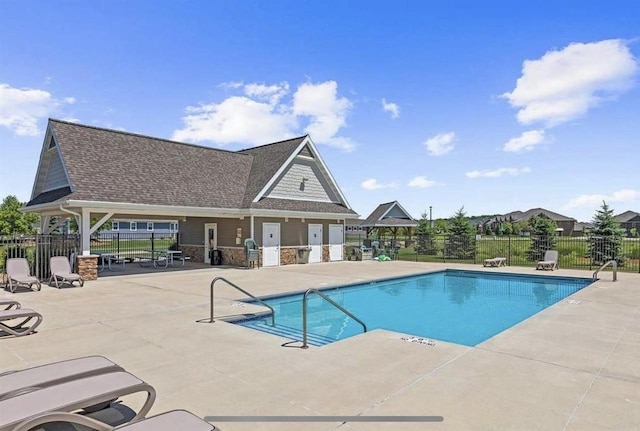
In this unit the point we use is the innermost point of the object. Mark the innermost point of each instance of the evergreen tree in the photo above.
(543, 236)
(607, 236)
(460, 243)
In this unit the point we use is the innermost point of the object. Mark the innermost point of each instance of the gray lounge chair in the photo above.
(30, 409)
(8, 304)
(25, 315)
(174, 420)
(495, 262)
(14, 383)
(61, 272)
(550, 260)
(18, 274)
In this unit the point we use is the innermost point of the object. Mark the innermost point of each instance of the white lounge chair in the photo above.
(174, 420)
(54, 403)
(495, 262)
(14, 383)
(18, 274)
(550, 260)
(8, 304)
(61, 272)
(25, 316)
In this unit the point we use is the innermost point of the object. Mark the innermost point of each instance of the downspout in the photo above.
(77, 216)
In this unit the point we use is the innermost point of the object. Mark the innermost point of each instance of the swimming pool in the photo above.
(463, 307)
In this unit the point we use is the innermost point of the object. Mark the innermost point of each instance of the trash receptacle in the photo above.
(303, 254)
(216, 257)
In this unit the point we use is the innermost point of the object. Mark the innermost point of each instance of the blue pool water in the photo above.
(464, 307)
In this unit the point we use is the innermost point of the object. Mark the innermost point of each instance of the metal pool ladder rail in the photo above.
(330, 301)
(213, 282)
(614, 266)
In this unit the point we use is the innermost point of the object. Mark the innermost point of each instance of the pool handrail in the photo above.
(330, 301)
(213, 282)
(614, 266)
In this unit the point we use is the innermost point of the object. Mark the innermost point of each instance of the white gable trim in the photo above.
(50, 134)
(306, 141)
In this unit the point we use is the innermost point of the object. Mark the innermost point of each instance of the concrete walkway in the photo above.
(573, 366)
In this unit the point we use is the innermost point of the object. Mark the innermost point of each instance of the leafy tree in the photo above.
(441, 226)
(634, 232)
(519, 227)
(73, 225)
(508, 228)
(607, 236)
(12, 221)
(460, 243)
(543, 236)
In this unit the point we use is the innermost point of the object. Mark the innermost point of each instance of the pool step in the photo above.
(288, 332)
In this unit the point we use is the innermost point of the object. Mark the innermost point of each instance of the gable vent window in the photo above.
(52, 143)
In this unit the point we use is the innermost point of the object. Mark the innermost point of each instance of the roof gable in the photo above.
(303, 175)
(52, 172)
(389, 214)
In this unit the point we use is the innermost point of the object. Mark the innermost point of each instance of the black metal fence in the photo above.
(574, 252)
(38, 249)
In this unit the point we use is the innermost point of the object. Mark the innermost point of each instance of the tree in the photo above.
(607, 236)
(543, 236)
(425, 243)
(12, 221)
(460, 243)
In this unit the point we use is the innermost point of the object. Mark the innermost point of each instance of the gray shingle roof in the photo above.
(375, 218)
(626, 216)
(113, 166)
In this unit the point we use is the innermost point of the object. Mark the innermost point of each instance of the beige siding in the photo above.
(293, 232)
(192, 230)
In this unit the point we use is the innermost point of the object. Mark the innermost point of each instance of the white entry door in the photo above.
(270, 244)
(336, 241)
(315, 242)
(210, 240)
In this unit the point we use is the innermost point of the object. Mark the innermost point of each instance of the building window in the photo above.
(174, 227)
(115, 226)
(150, 226)
(133, 226)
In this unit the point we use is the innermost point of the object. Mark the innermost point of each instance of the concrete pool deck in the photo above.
(573, 366)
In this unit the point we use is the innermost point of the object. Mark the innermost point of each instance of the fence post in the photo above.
(509, 251)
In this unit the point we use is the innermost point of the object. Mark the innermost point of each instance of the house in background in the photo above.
(629, 220)
(282, 195)
(142, 225)
(566, 225)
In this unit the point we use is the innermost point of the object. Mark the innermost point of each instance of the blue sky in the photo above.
(497, 106)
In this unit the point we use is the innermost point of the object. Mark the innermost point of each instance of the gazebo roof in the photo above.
(390, 214)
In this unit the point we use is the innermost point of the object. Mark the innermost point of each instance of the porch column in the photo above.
(85, 231)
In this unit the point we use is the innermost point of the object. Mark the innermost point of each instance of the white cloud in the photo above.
(270, 93)
(525, 142)
(496, 173)
(563, 85)
(264, 114)
(624, 196)
(373, 184)
(326, 111)
(231, 84)
(236, 119)
(391, 108)
(421, 182)
(22, 108)
(69, 100)
(440, 144)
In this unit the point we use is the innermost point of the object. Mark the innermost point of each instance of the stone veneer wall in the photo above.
(325, 253)
(195, 252)
(87, 267)
(233, 256)
(288, 255)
